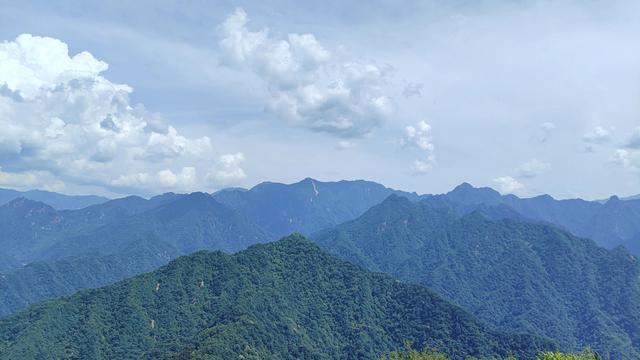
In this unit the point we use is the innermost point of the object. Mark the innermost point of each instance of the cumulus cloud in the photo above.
(508, 185)
(307, 86)
(532, 168)
(599, 135)
(62, 119)
(229, 170)
(628, 158)
(419, 136)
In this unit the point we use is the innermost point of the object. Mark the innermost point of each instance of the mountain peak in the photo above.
(466, 193)
(24, 203)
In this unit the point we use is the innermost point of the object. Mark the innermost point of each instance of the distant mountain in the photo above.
(306, 206)
(612, 223)
(50, 280)
(96, 246)
(57, 201)
(284, 300)
(28, 228)
(98, 239)
(515, 275)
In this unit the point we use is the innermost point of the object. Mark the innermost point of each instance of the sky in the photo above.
(145, 97)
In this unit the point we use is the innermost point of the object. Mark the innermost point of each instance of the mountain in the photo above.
(57, 201)
(49, 280)
(611, 223)
(63, 259)
(28, 228)
(306, 206)
(515, 275)
(284, 300)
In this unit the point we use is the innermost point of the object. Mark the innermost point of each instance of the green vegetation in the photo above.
(100, 245)
(514, 275)
(409, 353)
(284, 300)
(554, 355)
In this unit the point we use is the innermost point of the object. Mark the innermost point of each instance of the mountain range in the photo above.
(520, 265)
(56, 200)
(284, 300)
(516, 275)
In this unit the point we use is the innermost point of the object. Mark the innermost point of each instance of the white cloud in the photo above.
(345, 145)
(532, 168)
(307, 86)
(29, 180)
(424, 166)
(229, 170)
(419, 136)
(60, 118)
(599, 135)
(508, 185)
(630, 159)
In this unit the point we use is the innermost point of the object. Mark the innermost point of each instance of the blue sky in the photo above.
(528, 97)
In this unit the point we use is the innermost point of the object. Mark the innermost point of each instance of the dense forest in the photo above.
(513, 274)
(286, 300)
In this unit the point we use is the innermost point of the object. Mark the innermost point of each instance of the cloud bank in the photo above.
(307, 85)
(64, 123)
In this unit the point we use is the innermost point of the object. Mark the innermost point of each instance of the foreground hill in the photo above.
(513, 274)
(285, 300)
(58, 201)
(306, 206)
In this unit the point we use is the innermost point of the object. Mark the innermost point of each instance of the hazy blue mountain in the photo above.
(284, 300)
(611, 223)
(78, 251)
(49, 280)
(515, 275)
(57, 201)
(28, 228)
(306, 206)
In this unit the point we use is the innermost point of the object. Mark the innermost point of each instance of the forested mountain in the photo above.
(306, 206)
(92, 245)
(67, 259)
(57, 201)
(610, 223)
(515, 275)
(284, 300)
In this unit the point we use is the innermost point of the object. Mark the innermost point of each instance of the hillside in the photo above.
(514, 275)
(65, 259)
(610, 223)
(286, 300)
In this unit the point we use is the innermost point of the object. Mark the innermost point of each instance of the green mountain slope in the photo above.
(515, 275)
(50, 280)
(610, 223)
(284, 300)
(124, 247)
